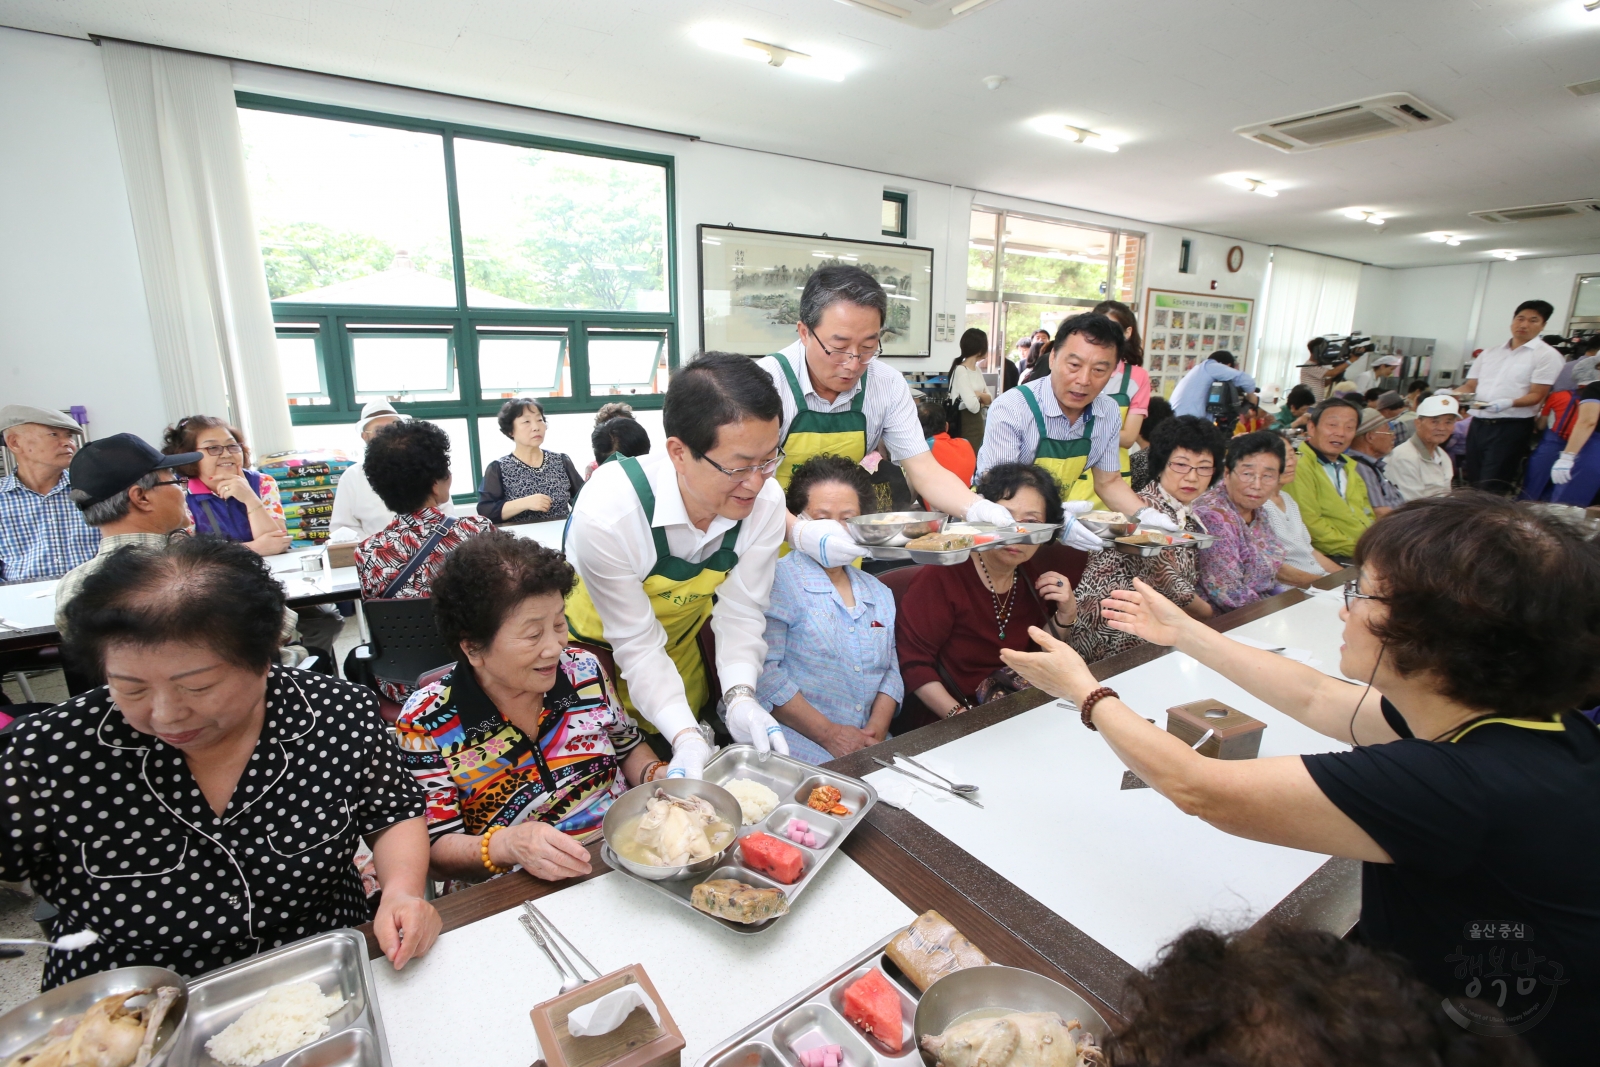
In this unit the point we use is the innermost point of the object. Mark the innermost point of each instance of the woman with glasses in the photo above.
(1185, 459)
(225, 496)
(531, 484)
(1242, 565)
(1469, 788)
(667, 542)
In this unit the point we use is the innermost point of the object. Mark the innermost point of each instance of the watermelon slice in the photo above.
(872, 1004)
(778, 861)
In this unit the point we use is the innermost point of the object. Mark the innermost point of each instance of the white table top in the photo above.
(1125, 866)
(548, 534)
(473, 991)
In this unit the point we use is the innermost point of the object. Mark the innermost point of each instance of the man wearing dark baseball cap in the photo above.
(128, 490)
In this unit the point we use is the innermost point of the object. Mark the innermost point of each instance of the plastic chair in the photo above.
(405, 643)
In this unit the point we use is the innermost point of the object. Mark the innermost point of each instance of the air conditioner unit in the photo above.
(1535, 212)
(924, 14)
(1363, 120)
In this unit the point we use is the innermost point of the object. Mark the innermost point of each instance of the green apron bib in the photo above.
(1067, 461)
(681, 596)
(818, 433)
(1124, 400)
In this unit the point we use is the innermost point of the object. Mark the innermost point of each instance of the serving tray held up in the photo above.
(793, 781)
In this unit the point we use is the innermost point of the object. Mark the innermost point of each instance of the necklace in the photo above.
(1001, 619)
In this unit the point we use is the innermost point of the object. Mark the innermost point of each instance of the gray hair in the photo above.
(835, 282)
(114, 508)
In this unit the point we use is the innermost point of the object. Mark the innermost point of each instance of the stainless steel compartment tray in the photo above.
(1196, 540)
(336, 961)
(764, 1043)
(793, 782)
(1030, 533)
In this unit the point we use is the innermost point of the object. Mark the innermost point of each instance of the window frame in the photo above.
(904, 200)
(335, 351)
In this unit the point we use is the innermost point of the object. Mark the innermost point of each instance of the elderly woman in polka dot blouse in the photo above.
(204, 805)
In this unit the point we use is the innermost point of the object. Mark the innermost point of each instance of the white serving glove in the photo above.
(1561, 473)
(981, 510)
(1155, 520)
(826, 541)
(1078, 507)
(1495, 407)
(1076, 535)
(750, 724)
(689, 755)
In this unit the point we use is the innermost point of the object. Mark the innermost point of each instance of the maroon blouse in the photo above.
(947, 616)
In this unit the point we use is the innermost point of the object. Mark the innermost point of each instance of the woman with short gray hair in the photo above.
(531, 484)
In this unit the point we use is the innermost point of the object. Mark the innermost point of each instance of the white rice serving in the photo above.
(290, 1015)
(756, 801)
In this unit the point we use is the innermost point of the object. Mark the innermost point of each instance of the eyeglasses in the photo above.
(1183, 470)
(863, 353)
(1352, 593)
(181, 483)
(1255, 477)
(222, 450)
(740, 473)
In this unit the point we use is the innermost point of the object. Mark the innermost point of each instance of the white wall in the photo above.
(74, 327)
(1465, 306)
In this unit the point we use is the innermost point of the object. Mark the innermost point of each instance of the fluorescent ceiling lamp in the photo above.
(1056, 127)
(1445, 239)
(1507, 254)
(1251, 185)
(1363, 215)
(719, 37)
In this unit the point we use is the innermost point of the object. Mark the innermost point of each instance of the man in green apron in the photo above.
(1067, 424)
(839, 399)
(669, 541)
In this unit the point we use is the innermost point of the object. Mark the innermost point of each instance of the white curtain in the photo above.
(1307, 295)
(178, 134)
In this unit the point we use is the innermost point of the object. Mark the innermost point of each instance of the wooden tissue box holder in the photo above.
(638, 1042)
(1238, 736)
(341, 554)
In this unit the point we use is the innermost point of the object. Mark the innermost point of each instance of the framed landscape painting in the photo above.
(751, 280)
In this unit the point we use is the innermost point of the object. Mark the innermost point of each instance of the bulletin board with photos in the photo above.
(1182, 329)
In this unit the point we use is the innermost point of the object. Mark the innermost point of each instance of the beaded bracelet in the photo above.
(1087, 707)
(650, 770)
(483, 850)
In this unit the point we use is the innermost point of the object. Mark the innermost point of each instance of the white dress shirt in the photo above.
(890, 411)
(610, 543)
(1506, 373)
(1417, 474)
(965, 385)
(356, 505)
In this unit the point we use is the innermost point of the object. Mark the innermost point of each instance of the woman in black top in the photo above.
(531, 484)
(1471, 790)
(204, 804)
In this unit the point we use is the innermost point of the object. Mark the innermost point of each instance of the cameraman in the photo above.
(1190, 396)
(1318, 376)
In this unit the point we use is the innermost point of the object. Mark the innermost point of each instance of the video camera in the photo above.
(1328, 351)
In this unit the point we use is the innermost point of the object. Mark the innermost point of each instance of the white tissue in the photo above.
(606, 1014)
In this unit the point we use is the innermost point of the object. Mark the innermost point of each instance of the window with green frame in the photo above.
(447, 268)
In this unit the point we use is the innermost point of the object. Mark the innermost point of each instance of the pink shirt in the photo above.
(1140, 402)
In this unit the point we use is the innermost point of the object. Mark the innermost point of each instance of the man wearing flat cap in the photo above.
(129, 492)
(42, 534)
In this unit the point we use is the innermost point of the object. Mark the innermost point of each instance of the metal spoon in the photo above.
(569, 982)
(959, 787)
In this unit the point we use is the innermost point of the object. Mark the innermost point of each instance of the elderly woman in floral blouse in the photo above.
(1185, 459)
(1242, 565)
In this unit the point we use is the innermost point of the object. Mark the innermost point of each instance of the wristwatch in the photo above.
(734, 692)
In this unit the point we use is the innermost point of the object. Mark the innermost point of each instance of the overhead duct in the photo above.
(1536, 212)
(1363, 120)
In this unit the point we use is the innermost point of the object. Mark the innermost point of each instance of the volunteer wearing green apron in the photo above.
(837, 398)
(669, 541)
(1066, 424)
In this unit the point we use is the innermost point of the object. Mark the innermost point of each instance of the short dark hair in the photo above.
(1301, 396)
(1251, 444)
(828, 468)
(1160, 411)
(1099, 329)
(206, 591)
(1542, 307)
(1003, 481)
(1322, 408)
(621, 434)
(1223, 356)
(1416, 384)
(180, 437)
(404, 461)
(1473, 571)
(1122, 315)
(1189, 432)
(931, 414)
(1271, 995)
(717, 389)
(485, 578)
(830, 284)
(1372, 394)
(512, 410)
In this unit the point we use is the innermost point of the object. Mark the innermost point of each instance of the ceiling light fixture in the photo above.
(1056, 127)
(1592, 5)
(1259, 186)
(1508, 254)
(730, 41)
(1363, 215)
(1445, 239)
